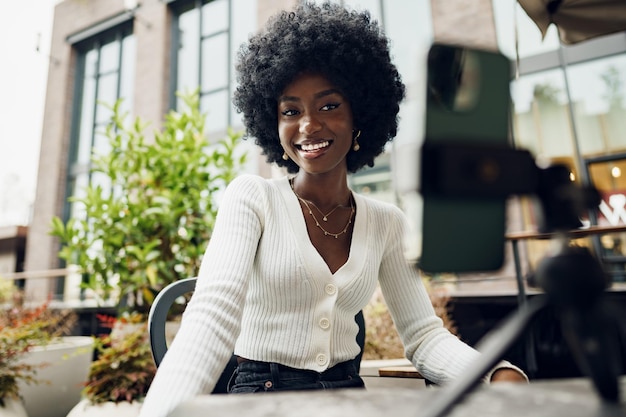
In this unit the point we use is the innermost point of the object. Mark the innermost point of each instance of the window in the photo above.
(598, 91)
(541, 122)
(569, 109)
(206, 37)
(105, 72)
(569, 105)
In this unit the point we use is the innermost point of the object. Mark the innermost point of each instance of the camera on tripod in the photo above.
(468, 165)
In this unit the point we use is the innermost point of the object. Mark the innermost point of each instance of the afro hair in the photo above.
(346, 47)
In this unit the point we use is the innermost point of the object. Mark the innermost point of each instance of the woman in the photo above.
(291, 261)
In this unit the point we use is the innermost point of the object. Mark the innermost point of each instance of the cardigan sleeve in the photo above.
(211, 322)
(437, 354)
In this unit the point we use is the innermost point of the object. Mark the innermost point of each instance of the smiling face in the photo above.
(315, 124)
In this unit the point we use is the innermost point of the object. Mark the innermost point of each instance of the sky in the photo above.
(24, 25)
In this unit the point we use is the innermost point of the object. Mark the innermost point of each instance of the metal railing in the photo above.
(71, 278)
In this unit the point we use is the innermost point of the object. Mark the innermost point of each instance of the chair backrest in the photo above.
(158, 317)
(159, 311)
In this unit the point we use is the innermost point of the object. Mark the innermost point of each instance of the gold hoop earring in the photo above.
(285, 156)
(356, 146)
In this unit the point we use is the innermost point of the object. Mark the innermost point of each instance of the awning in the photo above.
(577, 20)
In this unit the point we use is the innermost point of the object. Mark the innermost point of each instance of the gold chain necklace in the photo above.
(325, 216)
(317, 223)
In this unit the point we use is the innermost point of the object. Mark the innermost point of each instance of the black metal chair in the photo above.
(158, 316)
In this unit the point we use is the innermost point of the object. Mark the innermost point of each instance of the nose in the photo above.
(309, 125)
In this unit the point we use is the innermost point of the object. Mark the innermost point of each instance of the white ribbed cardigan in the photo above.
(265, 293)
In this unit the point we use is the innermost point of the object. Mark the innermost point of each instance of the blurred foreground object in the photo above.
(577, 20)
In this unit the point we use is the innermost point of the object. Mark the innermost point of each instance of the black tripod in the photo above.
(574, 284)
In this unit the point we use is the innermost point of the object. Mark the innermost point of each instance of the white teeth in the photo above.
(315, 146)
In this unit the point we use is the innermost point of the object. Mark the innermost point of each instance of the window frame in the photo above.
(177, 9)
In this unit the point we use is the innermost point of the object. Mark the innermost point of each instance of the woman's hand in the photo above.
(508, 375)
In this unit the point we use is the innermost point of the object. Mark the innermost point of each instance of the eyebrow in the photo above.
(321, 94)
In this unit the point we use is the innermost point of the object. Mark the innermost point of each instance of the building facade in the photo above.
(568, 100)
(144, 53)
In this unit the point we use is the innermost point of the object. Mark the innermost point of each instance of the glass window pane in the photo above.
(102, 180)
(127, 73)
(83, 154)
(109, 57)
(214, 17)
(100, 142)
(215, 62)
(91, 63)
(373, 6)
(236, 119)
(77, 188)
(609, 178)
(408, 24)
(598, 91)
(542, 122)
(244, 23)
(107, 94)
(216, 107)
(188, 62)
(511, 22)
(411, 125)
(375, 182)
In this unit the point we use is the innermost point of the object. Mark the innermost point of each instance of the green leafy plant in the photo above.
(21, 329)
(149, 210)
(124, 368)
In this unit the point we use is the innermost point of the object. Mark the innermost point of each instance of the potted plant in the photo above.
(150, 223)
(26, 335)
(120, 376)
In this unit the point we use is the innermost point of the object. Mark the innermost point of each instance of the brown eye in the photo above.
(330, 106)
(289, 112)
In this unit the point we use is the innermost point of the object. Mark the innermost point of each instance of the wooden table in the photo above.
(568, 398)
(574, 233)
(516, 237)
(408, 371)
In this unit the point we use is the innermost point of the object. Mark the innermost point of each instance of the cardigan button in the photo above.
(324, 323)
(331, 289)
(321, 359)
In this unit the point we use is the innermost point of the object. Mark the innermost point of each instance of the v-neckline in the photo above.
(312, 257)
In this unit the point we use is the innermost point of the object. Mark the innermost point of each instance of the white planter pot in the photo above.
(122, 409)
(67, 368)
(12, 408)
